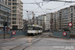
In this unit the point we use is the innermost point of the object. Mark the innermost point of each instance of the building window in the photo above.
(14, 3)
(74, 17)
(14, 7)
(14, 11)
(9, 0)
(13, 18)
(14, 0)
(9, 3)
(71, 10)
(14, 15)
(13, 22)
(1, 23)
(74, 7)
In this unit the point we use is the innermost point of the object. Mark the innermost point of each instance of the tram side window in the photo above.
(35, 28)
(30, 28)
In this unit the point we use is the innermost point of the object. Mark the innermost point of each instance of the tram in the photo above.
(34, 29)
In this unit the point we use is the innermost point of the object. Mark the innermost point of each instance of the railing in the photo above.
(4, 10)
(3, 15)
(1, 20)
(5, 5)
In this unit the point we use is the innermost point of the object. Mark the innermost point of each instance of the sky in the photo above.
(43, 8)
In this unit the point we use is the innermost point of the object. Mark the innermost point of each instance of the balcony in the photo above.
(3, 15)
(1, 20)
(5, 5)
(4, 10)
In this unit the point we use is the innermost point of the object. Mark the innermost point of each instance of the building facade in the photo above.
(41, 21)
(65, 18)
(5, 14)
(16, 14)
(54, 20)
(25, 23)
(49, 21)
(61, 19)
(72, 14)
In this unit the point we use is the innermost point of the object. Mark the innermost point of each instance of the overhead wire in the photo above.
(42, 5)
(39, 6)
(46, 3)
(53, 8)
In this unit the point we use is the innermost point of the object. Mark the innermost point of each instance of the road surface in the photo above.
(38, 42)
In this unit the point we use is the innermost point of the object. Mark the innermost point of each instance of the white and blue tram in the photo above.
(34, 29)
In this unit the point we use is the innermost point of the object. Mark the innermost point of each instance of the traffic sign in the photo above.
(13, 32)
(64, 33)
(70, 24)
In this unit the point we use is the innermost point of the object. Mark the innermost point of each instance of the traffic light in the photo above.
(4, 23)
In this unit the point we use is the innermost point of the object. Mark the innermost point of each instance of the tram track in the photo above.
(33, 41)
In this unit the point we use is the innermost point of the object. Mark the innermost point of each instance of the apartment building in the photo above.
(65, 18)
(41, 19)
(59, 19)
(49, 21)
(30, 21)
(46, 21)
(25, 23)
(16, 14)
(36, 20)
(54, 20)
(5, 14)
(72, 14)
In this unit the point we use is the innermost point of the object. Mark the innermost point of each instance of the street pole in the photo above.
(4, 32)
(7, 21)
(4, 29)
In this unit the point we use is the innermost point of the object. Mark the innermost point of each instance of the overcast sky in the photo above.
(46, 7)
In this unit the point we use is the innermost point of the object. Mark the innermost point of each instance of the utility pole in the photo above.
(33, 16)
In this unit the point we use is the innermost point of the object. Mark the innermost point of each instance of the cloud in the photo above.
(46, 7)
